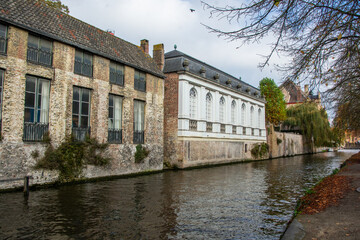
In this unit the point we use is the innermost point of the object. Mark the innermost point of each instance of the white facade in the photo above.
(208, 109)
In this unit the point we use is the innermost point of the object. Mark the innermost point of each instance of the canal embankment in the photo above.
(331, 209)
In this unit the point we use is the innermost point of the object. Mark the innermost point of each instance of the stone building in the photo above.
(63, 76)
(211, 117)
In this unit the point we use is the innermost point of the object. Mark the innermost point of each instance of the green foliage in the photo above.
(56, 4)
(278, 141)
(141, 153)
(335, 171)
(311, 122)
(259, 150)
(275, 107)
(71, 156)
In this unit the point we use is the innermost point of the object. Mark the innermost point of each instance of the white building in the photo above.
(210, 116)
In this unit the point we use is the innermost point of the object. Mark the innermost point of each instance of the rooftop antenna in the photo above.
(175, 47)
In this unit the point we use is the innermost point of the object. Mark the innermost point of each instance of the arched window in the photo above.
(233, 111)
(243, 111)
(193, 102)
(208, 106)
(222, 109)
(259, 118)
(252, 116)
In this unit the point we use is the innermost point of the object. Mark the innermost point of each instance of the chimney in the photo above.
(158, 55)
(306, 89)
(144, 44)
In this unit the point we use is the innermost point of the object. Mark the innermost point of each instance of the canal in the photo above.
(239, 201)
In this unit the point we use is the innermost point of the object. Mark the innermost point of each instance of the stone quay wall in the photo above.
(15, 155)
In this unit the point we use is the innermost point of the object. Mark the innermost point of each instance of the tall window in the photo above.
(208, 106)
(39, 50)
(3, 38)
(140, 81)
(1, 90)
(36, 119)
(139, 120)
(252, 116)
(233, 111)
(116, 74)
(222, 109)
(243, 111)
(83, 63)
(115, 119)
(81, 113)
(259, 118)
(193, 103)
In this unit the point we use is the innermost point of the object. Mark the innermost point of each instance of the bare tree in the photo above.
(321, 36)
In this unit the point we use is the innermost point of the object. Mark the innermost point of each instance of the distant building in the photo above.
(211, 117)
(294, 95)
(63, 76)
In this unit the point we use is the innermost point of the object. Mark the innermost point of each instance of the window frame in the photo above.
(4, 39)
(34, 128)
(193, 103)
(115, 134)
(39, 50)
(222, 109)
(209, 106)
(233, 112)
(115, 74)
(2, 77)
(81, 131)
(139, 135)
(80, 64)
(139, 83)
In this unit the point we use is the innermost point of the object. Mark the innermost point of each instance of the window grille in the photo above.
(139, 122)
(193, 125)
(193, 103)
(3, 38)
(81, 113)
(209, 127)
(234, 129)
(39, 50)
(116, 74)
(222, 128)
(115, 119)
(140, 81)
(36, 119)
(83, 63)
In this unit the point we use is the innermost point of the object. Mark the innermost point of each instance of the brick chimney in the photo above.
(144, 44)
(158, 55)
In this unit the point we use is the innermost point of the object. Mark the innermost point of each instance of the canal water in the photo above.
(239, 201)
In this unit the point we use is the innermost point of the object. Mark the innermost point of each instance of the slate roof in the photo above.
(38, 18)
(176, 61)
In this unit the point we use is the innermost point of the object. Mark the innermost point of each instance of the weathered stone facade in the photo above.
(15, 155)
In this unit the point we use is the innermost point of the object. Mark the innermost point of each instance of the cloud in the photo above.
(171, 22)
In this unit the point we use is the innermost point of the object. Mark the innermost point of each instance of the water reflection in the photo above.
(242, 201)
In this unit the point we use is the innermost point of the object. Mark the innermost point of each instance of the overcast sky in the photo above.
(171, 22)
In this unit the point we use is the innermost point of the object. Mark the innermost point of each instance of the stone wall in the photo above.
(286, 144)
(198, 152)
(15, 155)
